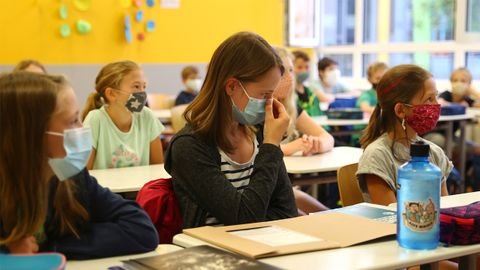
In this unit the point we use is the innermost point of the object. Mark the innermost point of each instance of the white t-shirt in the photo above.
(378, 159)
(115, 148)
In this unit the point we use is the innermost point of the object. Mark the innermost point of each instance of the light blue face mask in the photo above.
(78, 145)
(254, 112)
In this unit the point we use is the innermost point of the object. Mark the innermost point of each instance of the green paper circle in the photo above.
(65, 30)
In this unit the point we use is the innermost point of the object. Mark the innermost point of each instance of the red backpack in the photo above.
(158, 200)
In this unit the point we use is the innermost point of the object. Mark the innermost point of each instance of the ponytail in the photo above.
(94, 101)
(374, 128)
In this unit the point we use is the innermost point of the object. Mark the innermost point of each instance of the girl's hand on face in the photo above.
(27, 245)
(276, 122)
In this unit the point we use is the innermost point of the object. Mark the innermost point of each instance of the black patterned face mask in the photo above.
(136, 101)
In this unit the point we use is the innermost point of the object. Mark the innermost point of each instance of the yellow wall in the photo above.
(30, 29)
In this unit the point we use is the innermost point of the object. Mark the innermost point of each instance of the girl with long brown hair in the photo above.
(48, 201)
(407, 107)
(224, 170)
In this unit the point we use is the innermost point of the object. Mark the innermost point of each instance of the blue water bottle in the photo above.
(418, 195)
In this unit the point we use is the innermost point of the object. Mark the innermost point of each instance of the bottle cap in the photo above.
(419, 149)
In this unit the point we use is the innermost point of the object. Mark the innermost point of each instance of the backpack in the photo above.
(158, 200)
(460, 225)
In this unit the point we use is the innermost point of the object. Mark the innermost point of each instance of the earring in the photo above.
(403, 124)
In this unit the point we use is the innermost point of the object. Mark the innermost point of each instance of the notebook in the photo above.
(41, 261)
(199, 257)
(365, 210)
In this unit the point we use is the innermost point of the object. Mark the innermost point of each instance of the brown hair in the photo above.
(29, 62)
(399, 85)
(301, 55)
(110, 75)
(325, 62)
(245, 56)
(374, 67)
(27, 102)
(188, 70)
(464, 70)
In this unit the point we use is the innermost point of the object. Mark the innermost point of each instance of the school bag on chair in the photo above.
(460, 225)
(158, 200)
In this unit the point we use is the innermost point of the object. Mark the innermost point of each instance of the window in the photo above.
(339, 22)
(473, 20)
(344, 63)
(439, 64)
(473, 64)
(368, 59)
(370, 10)
(421, 21)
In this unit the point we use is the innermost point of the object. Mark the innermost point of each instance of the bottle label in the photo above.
(420, 216)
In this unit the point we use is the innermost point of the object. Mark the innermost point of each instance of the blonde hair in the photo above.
(289, 101)
(374, 67)
(464, 70)
(24, 64)
(244, 56)
(27, 102)
(111, 76)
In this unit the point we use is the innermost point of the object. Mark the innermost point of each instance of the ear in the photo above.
(110, 94)
(400, 110)
(230, 85)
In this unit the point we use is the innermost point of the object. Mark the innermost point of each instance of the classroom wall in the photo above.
(189, 34)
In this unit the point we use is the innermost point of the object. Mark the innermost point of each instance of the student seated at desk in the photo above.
(192, 84)
(224, 170)
(125, 133)
(306, 96)
(407, 107)
(461, 93)
(48, 200)
(303, 134)
(368, 99)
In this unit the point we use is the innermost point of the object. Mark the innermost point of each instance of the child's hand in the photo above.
(276, 122)
(27, 245)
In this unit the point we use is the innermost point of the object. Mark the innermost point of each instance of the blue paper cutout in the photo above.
(128, 35)
(150, 26)
(150, 3)
(139, 16)
(127, 22)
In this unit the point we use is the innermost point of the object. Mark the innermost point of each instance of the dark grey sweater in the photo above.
(201, 187)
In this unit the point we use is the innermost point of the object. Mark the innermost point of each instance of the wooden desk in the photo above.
(164, 115)
(321, 168)
(116, 261)
(386, 254)
(130, 178)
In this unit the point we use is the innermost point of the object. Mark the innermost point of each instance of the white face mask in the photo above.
(332, 77)
(194, 84)
(459, 88)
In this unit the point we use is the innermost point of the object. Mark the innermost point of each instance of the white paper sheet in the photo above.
(275, 236)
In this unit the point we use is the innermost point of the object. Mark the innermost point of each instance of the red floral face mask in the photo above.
(424, 117)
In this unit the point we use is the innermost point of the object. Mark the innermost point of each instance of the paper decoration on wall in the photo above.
(126, 3)
(150, 26)
(65, 30)
(63, 12)
(140, 36)
(82, 5)
(169, 3)
(127, 28)
(83, 27)
(150, 3)
(138, 3)
(139, 16)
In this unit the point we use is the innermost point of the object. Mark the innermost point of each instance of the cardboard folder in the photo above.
(332, 230)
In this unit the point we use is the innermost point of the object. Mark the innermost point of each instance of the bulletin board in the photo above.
(96, 29)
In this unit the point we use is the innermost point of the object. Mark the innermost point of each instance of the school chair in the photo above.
(177, 119)
(350, 192)
(160, 101)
